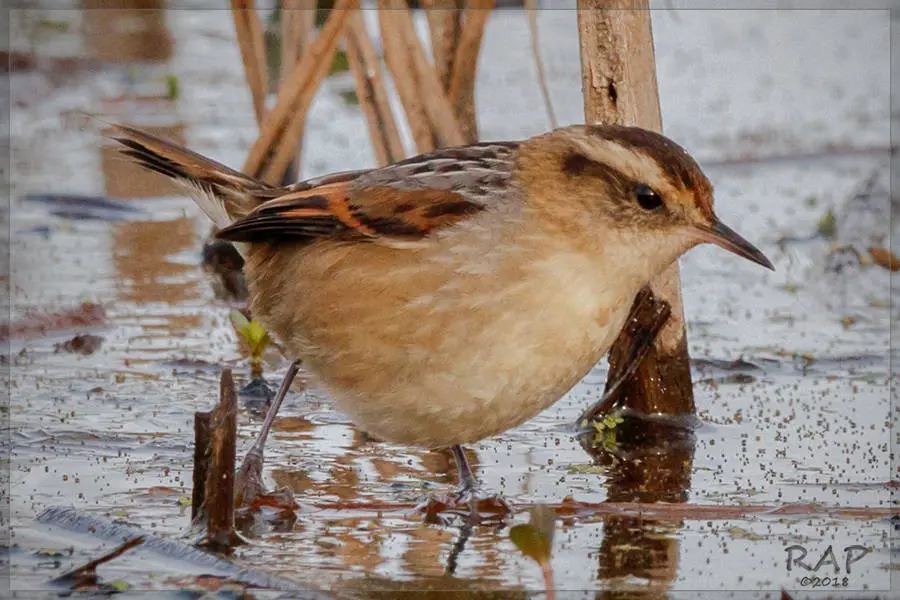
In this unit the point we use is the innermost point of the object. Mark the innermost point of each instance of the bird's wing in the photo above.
(401, 202)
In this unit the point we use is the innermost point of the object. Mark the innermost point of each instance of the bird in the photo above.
(454, 295)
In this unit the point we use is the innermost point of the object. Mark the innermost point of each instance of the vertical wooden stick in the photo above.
(201, 461)
(619, 85)
(371, 93)
(219, 504)
(253, 53)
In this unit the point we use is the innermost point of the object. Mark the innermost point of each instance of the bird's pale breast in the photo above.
(446, 344)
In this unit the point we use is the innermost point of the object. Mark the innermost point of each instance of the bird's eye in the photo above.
(646, 197)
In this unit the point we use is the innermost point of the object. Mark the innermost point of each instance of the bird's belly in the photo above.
(437, 376)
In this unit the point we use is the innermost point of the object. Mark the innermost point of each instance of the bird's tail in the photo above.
(224, 194)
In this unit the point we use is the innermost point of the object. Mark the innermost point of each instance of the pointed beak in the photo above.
(725, 237)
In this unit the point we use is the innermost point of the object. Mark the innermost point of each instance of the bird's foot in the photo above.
(254, 505)
(469, 503)
(248, 481)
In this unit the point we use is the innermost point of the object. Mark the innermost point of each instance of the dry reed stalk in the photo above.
(437, 105)
(400, 64)
(465, 63)
(271, 153)
(444, 25)
(298, 21)
(253, 53)
(371, 92)
(531, 7)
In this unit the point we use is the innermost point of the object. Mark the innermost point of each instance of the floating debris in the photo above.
(85, 344)
(885, 258)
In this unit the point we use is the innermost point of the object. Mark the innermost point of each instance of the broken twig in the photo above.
(217, 509)
(86, 575)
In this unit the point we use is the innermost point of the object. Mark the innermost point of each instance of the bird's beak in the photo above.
(725, 237)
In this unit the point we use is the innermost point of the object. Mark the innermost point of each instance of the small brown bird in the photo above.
(456, 294)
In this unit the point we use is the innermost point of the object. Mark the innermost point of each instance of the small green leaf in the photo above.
(239, 321)
(827, 227)
(172, 86)
(530, 542)
(119, 585)
(535, 539)
(257, 338)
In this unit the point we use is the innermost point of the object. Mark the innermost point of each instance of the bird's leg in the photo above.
(248, 483)
(468, 493)
(468, 484)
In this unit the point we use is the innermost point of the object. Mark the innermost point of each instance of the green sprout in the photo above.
(827, 226)
(605, 431)
(256, 337)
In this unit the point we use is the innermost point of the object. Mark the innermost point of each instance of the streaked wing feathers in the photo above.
(338, 208)
(405, 201)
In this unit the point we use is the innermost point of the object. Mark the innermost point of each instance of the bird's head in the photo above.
(631, 181)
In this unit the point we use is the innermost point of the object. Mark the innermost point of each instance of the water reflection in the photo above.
(141, 253)
(126, 31)
(655, 465)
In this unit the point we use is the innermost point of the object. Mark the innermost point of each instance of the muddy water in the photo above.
(792, 369)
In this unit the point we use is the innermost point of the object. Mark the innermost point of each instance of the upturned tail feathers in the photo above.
(222, 193)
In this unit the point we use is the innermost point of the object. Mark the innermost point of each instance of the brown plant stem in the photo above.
(253, 53)
(403, 73)
(444, 24)
(298, 20)
(437, 105)
(86, 574)
(371, 93)
(281, 131)
(465, 64)
(531, 7)
(202, 435)
(218, 504)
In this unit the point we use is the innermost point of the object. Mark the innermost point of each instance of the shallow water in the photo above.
(804, 419)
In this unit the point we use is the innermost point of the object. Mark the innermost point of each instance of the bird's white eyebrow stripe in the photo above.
(624, 159)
